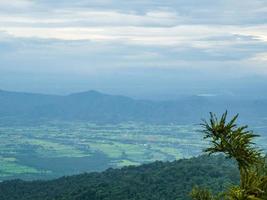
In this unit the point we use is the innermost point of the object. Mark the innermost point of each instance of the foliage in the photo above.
(155, 181)
(236, 142)
(201, 193)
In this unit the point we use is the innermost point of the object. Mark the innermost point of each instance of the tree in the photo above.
(236, 142)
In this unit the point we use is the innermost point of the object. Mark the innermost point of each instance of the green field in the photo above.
(63, 148)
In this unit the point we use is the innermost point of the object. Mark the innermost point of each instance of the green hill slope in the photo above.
(155, 181)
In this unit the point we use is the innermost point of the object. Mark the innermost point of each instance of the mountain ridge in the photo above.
(98, 107)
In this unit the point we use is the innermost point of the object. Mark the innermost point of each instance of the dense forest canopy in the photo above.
(155, 181)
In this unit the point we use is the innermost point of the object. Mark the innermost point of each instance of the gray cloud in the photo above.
(191, 11)
(120, 44)
(224, 12)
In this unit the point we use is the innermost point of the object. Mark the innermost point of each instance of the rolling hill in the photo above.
(155, 181)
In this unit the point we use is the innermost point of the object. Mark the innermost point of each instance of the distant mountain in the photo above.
(155, 181)
(103, 108)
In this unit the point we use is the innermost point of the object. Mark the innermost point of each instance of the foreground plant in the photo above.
(235, 142)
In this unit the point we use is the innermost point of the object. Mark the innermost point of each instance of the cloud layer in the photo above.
(95, 39)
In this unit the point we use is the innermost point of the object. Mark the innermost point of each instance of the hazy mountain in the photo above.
(103, 108)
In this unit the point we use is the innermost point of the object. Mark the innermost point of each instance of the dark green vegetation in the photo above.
(101, 108)
(236, 142)
(155, 181)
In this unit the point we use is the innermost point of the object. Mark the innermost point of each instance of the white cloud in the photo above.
(259, 32)
(175, 25)
(92, 35)
(81, 17)
(193, 35)
(260, 57)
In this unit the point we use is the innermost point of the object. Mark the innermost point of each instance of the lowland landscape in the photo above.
(59, 148)
(84, 147)
(41, 140)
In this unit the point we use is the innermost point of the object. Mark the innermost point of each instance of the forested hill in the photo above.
(102, 108)
(155, 181)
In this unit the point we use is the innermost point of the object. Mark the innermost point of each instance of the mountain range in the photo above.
(97, 107)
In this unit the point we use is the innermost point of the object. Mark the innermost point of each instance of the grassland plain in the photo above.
(62, 148)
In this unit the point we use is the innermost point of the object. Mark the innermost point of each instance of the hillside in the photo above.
(155, 181)
(102, 108)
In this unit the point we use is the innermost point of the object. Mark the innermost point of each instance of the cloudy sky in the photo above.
(141, 48)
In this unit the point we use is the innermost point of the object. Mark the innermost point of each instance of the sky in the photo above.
(157, 49)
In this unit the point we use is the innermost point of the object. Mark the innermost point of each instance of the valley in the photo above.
(58, 148)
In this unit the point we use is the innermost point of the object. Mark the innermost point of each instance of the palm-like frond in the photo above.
(201, 194)
(236, 142)
(226, 137)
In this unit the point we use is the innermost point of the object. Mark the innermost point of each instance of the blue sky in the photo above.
(140, 48)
